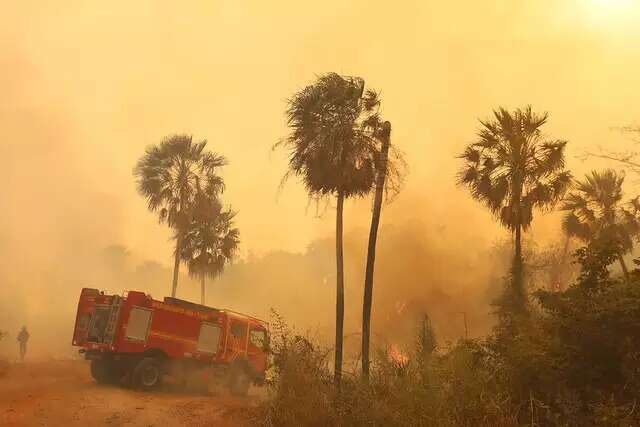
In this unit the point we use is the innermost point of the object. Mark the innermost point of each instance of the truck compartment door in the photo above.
(138, 324)
(209, 338)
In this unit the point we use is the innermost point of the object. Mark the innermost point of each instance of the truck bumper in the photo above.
(91, 354)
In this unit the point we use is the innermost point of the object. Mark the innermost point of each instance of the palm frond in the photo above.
(512, 169)
(333, 142)
(595, 210)
(171, 174)
(210, 241)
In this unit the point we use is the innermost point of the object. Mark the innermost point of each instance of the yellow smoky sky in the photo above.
(85, 86)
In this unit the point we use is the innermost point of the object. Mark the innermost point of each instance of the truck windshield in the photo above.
(258, 338)
(99, 324)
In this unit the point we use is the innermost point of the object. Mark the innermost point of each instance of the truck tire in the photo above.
(239, 380)
(103, 371)
(147, 375)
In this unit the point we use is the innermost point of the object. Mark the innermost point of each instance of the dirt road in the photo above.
(62, 393)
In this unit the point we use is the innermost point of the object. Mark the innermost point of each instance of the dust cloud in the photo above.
(86, 87)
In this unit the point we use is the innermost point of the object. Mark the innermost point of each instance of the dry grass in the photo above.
(455, 388)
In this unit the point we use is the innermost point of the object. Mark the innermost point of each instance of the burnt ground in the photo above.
(62, 393)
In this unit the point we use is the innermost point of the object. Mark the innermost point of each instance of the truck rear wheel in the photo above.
(147, 375)
(104, 371)
(238, 380)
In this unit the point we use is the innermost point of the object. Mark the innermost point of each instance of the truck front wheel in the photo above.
(103, 371)
(147, 375)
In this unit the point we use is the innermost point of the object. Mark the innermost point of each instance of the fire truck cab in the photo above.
(139, 340)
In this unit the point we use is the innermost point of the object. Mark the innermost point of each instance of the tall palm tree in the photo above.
(390, 169)
(594, 209)
(210, 241)
(170, 175)
(513, 169)
(330, 150)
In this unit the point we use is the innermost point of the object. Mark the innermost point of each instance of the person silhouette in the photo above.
(23, 337)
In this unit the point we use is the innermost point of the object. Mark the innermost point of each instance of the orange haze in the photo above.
(86, 86)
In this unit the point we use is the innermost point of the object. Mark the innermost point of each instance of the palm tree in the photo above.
(513, 169)
(330, 150)
(594, 209)
(170, 175)
(210, 241)
(390, 168)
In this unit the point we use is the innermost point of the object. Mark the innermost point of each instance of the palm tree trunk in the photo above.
(202, 278)
(339, 290)
(371, 251)
(623, 265)
(176, 265)
(518, 279)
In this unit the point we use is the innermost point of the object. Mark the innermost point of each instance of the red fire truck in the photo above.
(136, 339)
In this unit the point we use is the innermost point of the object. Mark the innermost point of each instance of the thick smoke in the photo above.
(85, 87)
(419, 271)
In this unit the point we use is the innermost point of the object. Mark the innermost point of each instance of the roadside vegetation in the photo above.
(574, 361)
